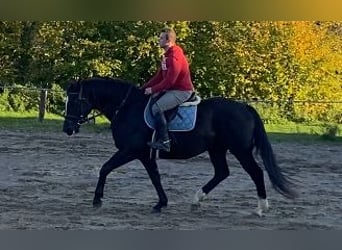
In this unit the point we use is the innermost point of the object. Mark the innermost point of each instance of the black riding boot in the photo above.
(162, 141)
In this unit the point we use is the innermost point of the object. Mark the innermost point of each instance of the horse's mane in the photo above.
(108, 80)
(111, 87)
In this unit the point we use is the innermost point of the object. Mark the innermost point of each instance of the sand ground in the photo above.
(47, 181)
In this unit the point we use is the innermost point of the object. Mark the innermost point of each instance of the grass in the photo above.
(28, 121)
(301, 132)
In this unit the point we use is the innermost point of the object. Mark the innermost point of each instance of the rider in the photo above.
(173, 80)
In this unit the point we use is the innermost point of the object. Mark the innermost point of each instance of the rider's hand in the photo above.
(148, 91)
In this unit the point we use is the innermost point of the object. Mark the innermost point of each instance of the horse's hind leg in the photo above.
(218, 159)
(255, 172)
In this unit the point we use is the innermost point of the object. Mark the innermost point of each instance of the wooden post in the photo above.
(42, 104)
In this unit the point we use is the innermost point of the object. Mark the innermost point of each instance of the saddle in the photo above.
(171, 113)
(180, 118)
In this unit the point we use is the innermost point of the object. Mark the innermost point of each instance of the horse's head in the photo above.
(77, 108)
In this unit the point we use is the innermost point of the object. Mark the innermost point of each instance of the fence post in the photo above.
(42, 104)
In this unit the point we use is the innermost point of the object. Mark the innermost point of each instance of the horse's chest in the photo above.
(123, 131)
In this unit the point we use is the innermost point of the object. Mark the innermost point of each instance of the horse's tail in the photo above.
(263, 147)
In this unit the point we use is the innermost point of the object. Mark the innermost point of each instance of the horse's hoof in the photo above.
(97, 203)
(156, 210)
(259, 212)
(195, 207)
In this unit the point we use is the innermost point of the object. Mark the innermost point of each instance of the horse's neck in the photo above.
(109, 105)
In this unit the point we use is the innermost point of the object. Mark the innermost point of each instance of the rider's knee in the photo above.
(156, 109)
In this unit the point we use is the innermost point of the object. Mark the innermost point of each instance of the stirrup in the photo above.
(160, 145)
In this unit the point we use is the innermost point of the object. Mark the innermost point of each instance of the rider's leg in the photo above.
(168, 101)
(162, 137)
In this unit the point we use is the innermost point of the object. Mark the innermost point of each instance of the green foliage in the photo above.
(19, 98)
(279, 62)
(4, 104)
(10, 35)
(56, 100)
(269, 111)
(331, 132)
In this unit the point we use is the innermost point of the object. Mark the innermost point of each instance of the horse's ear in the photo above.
(73, 81)
(72, 84)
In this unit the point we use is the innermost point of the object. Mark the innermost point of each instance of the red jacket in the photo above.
(174, 73)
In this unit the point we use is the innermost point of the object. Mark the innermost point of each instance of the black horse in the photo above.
(221, 125)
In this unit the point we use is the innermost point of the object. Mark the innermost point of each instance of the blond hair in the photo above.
(170, 34)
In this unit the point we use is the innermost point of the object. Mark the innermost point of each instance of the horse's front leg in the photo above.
(117, 160)
(152, 170)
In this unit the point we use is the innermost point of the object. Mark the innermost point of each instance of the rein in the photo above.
(123, 102)
(88, 119)
(82, 119)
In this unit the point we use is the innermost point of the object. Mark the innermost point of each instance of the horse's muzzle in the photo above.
(70, 127)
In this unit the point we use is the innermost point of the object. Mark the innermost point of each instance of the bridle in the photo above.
(81, 100)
